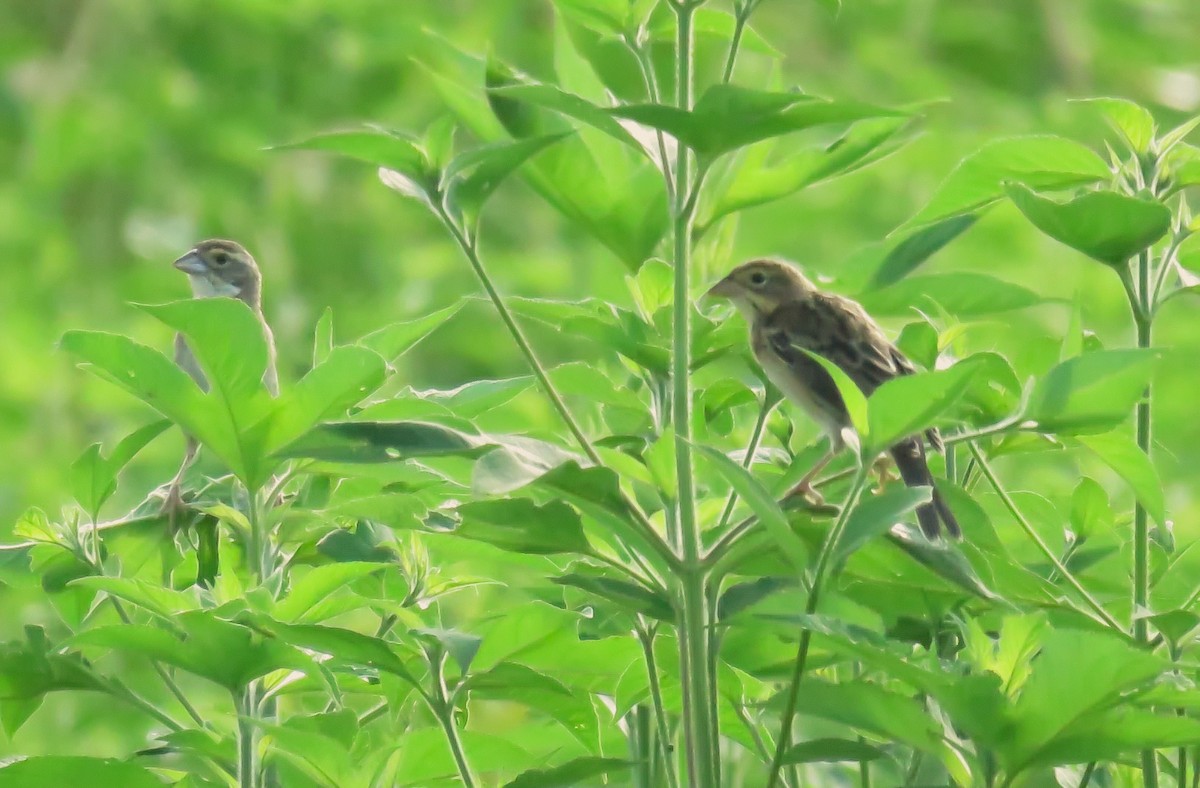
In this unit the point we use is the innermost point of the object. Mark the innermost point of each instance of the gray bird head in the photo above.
(222, 268)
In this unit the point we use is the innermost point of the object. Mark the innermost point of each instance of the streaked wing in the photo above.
(187, 361)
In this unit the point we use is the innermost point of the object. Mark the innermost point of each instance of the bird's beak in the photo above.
(726, 288)
(190, 263)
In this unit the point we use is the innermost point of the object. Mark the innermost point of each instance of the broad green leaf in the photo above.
(964, 294)
(520, 525)
(728, 117)
(757, 181)
(876, 515)
(1178, 134)
(572, 772)
(347, 377)
(29, 670)
(166, 603)
(378, 146)
(94, 476)
(368, 441)
(1111, 734)
(459, 645)
(871, 708)
(763, 504)
(225, 653)
(475, 174)
(1041, 162)
(344, 645)
(1090, 509)
(1106, 226)
(395, 340)
(918, 247)
(910, 404)
(148, 375)
(852, 397)
(553, 98)
(831, 751)
(949, 564)
(604, 16)
(626, 595)
(315, 585)
(45, 770)
(1077, 673)
(1120, 453)
(1132, 121)
(1090, 393)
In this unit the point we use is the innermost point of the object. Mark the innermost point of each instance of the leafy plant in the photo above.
(372, 576)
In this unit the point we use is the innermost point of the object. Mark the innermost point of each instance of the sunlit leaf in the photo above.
(1090, 393)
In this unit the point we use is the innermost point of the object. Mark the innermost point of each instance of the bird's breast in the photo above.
(796, 387)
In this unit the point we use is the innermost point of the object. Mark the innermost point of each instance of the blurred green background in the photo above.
(129, 129)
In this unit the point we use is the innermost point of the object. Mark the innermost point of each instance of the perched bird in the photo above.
(788, 315)
(217, 268)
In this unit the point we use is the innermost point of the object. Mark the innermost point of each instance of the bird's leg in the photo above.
(882, 467)
(173, 505)
(805, 488)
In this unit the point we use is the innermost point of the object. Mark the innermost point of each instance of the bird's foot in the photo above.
(806, 492)
(882, 468)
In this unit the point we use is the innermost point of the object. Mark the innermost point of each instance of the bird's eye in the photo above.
(758, 279)
(221, 258)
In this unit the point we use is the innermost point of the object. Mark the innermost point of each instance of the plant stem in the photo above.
(699, 702)
(814, 599)
(1143, 320)
(646, 638)
(467, 244)
(1032, 533)
(1087, 775)
(748, 460)
(646, 66)
(443, 709)
(742, 12)
(247, 771)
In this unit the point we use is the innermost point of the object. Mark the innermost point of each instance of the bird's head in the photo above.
(759, 287)
(221, 268)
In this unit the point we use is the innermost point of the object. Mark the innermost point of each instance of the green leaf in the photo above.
(316, 585)
(728, 117)
(570, 773)
(372, 441)
(381, 147)
(876, 515)
(323, 337)
(94, 476)
(757, 181)
(475, 174)
(225, 653)
(554, 98)
(603, 16)
(918, 247)
(346, 378)
(1041, 162)
(763, 504)
(964, 294)
(873, 709)
(520, 525)
(831, 751)
(852, 396)
(1112, 733)
(627, 596)
(1120, 453)
(166, 603)
(910, 404)
(345, 646)
(1133, 122)
(1106, 226)
(1077, 673)
(1090, 393)
(459, 645)
(395, 340)
(47, 770)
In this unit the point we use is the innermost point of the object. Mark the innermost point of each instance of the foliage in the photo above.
(583, 568)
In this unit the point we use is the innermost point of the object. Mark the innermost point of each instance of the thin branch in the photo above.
(751, 449)
(646, 638)
(1036, 538)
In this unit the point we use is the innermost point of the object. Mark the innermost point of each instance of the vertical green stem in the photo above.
(814, 599)
(660, 712)
(1142, 313)
(443, 709)
(247, 740)
(699, 703)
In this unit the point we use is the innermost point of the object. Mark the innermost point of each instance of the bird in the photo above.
(788, 315)
(218, 268)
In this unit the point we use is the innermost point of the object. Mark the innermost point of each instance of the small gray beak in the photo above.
(190, 263)
(722, 289)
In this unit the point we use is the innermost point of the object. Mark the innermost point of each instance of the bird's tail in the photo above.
(914, 470)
